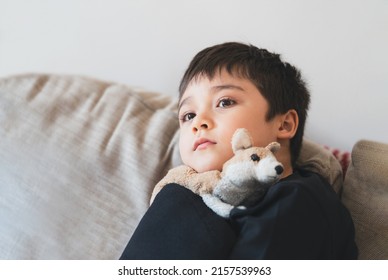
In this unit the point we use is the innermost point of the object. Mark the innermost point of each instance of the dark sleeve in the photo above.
(178, 225)
(295, 221)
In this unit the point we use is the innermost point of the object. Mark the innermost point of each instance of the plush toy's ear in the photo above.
(273, 147)
(241, 140)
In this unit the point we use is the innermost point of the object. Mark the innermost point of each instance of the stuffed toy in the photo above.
(244, 178)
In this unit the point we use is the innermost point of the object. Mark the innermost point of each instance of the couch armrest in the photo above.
(365, 194)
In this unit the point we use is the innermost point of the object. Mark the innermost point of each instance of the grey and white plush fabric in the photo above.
(79, 158)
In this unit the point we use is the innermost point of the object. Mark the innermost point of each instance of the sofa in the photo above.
(79, 158)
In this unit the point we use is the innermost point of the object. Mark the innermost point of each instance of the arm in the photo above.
(297, 219)
(178, 225)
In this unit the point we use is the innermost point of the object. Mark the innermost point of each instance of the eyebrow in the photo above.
(187, 99)
(213, 89)
(227, 86)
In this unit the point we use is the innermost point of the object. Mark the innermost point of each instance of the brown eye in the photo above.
(226, 102)
(187, 117)
(255, 157)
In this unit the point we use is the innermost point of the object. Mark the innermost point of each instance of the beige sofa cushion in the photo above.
(365, 194)
(320, 160)
(79, 158)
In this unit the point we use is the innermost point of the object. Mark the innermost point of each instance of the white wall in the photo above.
(341, 47)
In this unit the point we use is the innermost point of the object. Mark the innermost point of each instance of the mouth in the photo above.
(202, 143)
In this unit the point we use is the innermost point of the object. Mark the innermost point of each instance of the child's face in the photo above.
(211, 111)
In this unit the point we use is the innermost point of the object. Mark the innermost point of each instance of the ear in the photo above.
(273, 147)
(288, 125)
(241, 140)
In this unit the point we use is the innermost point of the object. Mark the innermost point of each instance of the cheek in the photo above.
(262, 132)
(184, 147)
(240, 122)
(263, 135)
(243, 119)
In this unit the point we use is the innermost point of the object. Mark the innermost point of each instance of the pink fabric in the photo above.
(342, 156)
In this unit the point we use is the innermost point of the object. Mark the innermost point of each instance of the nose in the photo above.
(201, 122)
(197, 127)
(279, 169)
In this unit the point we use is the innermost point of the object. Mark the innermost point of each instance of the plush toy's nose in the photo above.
(279, 169)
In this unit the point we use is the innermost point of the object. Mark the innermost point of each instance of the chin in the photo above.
(207, 167)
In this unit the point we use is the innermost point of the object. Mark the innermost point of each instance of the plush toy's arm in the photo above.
(199, 183)
(217, 205)
(176, 175)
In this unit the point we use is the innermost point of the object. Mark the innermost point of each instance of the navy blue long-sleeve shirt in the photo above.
(300, 217)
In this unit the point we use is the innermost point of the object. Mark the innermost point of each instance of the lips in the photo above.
(202, 143)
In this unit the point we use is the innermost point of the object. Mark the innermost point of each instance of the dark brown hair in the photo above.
(279, 82)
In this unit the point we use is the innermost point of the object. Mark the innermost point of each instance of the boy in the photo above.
(230, 86)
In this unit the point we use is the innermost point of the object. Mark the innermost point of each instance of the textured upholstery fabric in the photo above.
(79, 158)
(365, 194)
(313, 157)
(78, 161)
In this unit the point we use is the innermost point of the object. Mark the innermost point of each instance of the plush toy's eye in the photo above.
(255, 157)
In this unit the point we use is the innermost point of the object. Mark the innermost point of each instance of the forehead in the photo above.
(218, 81)
(237, 71)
